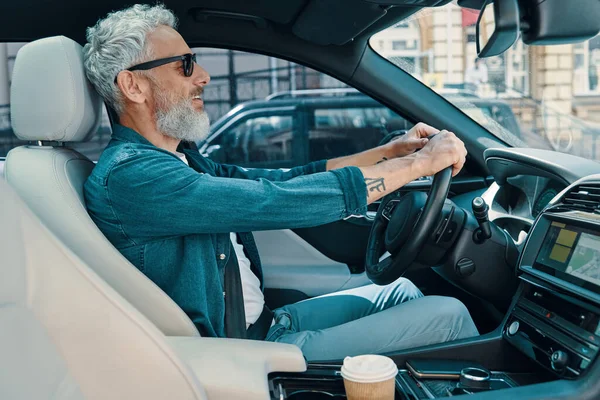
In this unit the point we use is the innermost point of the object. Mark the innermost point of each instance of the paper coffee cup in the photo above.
(369, 377)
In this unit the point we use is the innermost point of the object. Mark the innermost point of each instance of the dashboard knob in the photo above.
(474, 378)
(559, 360)
(513, 328)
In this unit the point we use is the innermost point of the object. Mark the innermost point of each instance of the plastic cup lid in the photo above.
(369, 368)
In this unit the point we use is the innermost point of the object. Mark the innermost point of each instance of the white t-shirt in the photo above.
(254, 299)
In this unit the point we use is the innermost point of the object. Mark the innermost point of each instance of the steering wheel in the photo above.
(402, 226)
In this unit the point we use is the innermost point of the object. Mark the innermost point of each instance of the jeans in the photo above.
(370, 320)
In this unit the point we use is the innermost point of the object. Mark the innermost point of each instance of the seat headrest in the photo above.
(51, 98)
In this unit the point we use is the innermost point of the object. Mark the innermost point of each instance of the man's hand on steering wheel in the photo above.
(416, 138)
(441, 151)
(404, 224)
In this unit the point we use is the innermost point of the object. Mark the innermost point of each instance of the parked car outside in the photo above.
(292, 128)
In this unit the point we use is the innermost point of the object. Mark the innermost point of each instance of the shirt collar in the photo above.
(129, 135)
(126, 134)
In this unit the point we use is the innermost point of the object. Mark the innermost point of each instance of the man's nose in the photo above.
(202, 77)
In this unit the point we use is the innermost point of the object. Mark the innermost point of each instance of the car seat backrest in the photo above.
(51, 100)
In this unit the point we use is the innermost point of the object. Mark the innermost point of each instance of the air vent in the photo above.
(585, 197)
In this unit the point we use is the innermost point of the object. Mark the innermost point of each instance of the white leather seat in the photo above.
(52, 101)
(67, 335)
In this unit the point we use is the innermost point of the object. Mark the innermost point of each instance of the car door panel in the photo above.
(290, 262)
(276, 297)
(342, 241)
(264, 138)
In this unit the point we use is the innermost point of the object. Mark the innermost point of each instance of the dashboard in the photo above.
(552, 211)
(526, 180)
(526, 196)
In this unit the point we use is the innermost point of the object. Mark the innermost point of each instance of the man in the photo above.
(476, 75)
(180, 218)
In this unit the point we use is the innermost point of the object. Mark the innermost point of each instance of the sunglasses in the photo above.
(188, 61)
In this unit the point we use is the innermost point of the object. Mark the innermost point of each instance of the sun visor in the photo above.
(327, 22)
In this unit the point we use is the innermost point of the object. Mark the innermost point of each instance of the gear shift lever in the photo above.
(480, 210)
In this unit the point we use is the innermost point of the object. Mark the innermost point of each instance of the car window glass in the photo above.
(543, 97)
(92, 148)
(339, 132)
(330, 119)
(255, 141)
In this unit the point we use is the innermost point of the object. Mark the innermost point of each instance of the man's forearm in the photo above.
(363, 159)
(388, 176)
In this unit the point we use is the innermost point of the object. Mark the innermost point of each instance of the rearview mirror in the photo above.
(559, 21)
(497, 27)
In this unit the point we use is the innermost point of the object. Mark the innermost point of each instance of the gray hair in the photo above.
(118, 42)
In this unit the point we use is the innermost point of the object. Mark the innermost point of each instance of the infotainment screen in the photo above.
(572, 253)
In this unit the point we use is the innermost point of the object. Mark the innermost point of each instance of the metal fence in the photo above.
(226, 91)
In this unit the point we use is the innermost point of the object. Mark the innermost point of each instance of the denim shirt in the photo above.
(173, 221)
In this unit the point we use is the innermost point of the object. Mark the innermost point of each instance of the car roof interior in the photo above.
(286, 29)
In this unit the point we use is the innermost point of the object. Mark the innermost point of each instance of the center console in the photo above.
(550, 333)
(322, 381)
(554, 328)
(556, 319)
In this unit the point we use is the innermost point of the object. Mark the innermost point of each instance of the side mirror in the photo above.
(497, 27)
(216, 153)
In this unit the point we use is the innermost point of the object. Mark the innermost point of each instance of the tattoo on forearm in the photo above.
(375, 184)
(382, 160)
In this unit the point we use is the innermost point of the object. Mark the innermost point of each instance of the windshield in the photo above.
(544, 97)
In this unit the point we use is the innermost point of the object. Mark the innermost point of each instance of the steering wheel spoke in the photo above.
(402, 227)
(388, 208)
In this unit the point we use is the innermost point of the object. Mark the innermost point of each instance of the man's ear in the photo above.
(133, 87)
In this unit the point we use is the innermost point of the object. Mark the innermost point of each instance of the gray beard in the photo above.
(181, 121)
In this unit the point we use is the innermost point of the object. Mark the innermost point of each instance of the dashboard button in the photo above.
(513, 328)
(465, 267)
(585, 350)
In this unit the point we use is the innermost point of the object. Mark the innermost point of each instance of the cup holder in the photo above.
(316, 383)
(313, 395)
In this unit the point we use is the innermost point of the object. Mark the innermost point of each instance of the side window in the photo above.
(8, 140)
(337, 132)
(92, 148)
(264, 140)
(330, 119)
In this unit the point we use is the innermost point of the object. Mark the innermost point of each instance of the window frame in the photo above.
(308, 110)
(583, 49)
(245, 115)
